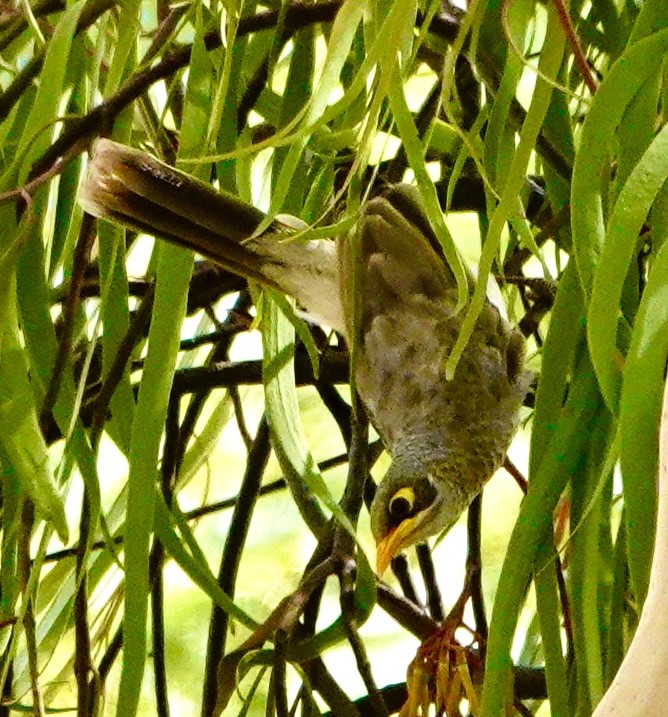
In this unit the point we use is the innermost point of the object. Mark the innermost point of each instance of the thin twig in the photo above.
(409, 615)
(279, 677)
(337, 406)
(474, 571)
(296, 16)
(202, 511)
(231, 559)
(576, 46)
(83, 659)
(157, 561)
(347, 592)
(239, 416)
(434, 601)
(90, 13)
(329, 689)
(401, 571)
(219, 353)
(516, 474)
(29, 624)
(121, 359)
(70, 307)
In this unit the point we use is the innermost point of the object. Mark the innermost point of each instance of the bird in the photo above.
(446, 436)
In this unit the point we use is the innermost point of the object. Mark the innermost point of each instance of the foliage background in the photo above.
(546, 120)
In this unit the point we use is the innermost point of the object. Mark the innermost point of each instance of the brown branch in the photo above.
(16, 24)
(70, 307)
(100, 119)
(91, 12)
(204, 510)
(347, 593)
(474, 571)
(576, 46)
(279, 688)
(426, 564)
(83, 658)
(120, 362)
(231, 560)
(409, 615)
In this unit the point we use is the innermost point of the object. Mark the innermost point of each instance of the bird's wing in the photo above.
(407, 323)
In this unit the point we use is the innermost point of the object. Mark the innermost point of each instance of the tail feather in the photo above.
(132, 188)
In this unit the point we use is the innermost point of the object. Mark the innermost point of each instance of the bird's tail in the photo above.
(131, 188)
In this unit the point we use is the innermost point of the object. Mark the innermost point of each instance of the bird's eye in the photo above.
(401, 504)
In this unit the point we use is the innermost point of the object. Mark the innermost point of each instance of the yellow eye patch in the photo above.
(402, 503)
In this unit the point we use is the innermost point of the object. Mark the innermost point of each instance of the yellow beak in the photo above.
(389, 545)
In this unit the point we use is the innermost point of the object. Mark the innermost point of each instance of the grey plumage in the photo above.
(446, 438)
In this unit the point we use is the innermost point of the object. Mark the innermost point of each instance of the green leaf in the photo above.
(619, 248)
(531, 544)
(173, 278)
(415, 153)
(34, 140)
(639, 415)
(639, 62)
(300, 469)
(550, 62)
(23, 452)
(194, 563)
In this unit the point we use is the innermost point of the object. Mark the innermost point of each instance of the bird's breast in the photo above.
(468, 421)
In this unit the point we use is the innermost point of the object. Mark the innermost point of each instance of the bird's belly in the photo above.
(400, 376)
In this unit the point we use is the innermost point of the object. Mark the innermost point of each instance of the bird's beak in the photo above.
(389, 545)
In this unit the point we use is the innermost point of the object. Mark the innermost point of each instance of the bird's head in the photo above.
(412, 503)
